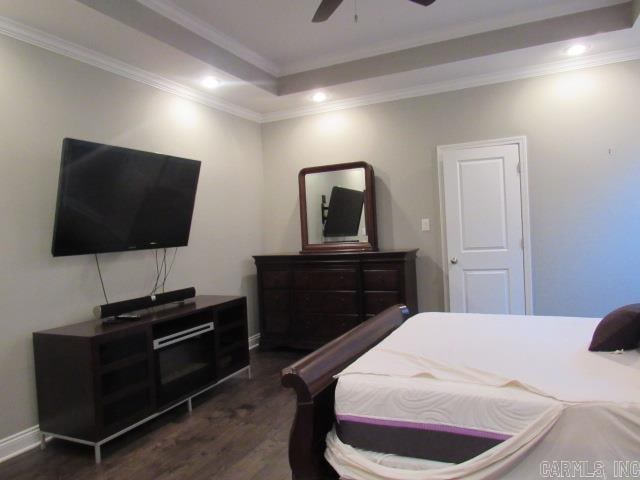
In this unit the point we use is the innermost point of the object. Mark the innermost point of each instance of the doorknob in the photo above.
(454, 260)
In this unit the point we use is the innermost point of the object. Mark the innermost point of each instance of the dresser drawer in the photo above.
(326, 279)
(277, 322)
(276, 278)
(276, 300)
(375, 302)
(323, 325)
(326, 302)
(381, 279)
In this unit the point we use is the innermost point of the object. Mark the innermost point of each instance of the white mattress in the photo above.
(531, 380)
(490, 412)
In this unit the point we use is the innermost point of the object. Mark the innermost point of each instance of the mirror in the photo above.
(337, 208)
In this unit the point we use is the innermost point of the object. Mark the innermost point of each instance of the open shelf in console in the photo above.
(121, 410)
(122, 348)
(232, 340)
(115, 380)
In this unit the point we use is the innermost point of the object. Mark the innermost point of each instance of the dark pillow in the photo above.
(619, 330)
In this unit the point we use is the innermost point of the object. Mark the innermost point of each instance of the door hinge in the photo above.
(522, 243)
(518, 167)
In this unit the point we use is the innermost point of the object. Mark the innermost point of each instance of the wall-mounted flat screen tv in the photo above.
(114, 199)
(345, 210)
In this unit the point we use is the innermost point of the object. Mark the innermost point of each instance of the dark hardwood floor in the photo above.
(238, 431)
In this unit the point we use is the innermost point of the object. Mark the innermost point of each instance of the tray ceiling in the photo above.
(270, 58)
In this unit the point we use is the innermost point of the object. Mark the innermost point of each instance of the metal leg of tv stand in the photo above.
(97, 453)
(43, 441)
(189, 406)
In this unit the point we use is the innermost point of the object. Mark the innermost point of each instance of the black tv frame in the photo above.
(57, 252)
(344, 213)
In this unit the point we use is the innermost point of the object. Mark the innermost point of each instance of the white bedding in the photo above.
(546, 355)
(531, 378)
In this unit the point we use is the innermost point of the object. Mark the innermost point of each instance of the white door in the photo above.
(484, 235)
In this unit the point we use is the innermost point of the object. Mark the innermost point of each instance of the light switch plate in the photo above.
(426, 225)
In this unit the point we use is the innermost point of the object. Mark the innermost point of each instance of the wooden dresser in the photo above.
(305, 300)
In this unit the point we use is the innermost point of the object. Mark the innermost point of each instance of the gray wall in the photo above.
(46, 97)
(584, 176)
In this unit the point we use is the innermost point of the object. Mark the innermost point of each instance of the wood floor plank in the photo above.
(239, 430)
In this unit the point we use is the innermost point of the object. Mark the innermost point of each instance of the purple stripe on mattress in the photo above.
(443, 443)
(435, 427)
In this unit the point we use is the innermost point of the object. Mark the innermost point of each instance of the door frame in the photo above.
(521, 142)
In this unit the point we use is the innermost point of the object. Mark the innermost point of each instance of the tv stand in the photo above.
(97, 380)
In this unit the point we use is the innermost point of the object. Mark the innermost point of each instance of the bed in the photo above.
(464, 396)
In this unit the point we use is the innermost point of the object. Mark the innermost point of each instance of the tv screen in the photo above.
(115, 199)
(345, 210)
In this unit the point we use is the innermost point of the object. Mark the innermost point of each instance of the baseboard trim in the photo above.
(19, 442)
(254, 341)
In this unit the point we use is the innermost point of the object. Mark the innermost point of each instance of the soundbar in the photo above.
(125, 306)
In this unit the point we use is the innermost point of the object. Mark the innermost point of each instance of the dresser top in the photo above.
(340, 255)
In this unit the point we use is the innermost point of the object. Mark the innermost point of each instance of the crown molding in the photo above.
(459, 84)
(171, 11)
(57, 45)
(443, 34)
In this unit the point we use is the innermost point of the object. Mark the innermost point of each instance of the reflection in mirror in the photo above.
(338, 208)
(335, 206)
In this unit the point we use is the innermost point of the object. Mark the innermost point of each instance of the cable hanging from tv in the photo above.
(104, 291)
(162, 271)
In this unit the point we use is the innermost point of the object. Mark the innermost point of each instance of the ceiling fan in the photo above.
(327, 7)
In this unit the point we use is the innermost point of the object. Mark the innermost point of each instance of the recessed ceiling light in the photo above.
(210, 82)
(319, 97)
(577, 49)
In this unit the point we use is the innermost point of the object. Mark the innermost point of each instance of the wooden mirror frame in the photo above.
(369, 211)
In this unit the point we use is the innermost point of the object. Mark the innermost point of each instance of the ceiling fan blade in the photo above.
(424, 3)
(325, 10)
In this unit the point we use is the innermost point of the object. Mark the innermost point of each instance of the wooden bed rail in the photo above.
(312, 378)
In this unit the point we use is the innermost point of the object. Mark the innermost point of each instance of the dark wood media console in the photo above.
(97, 380)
